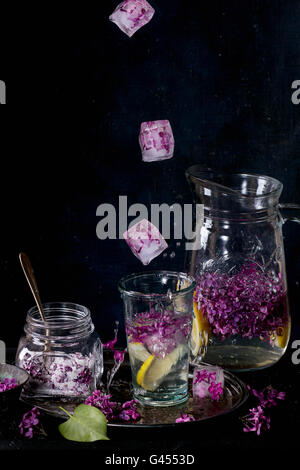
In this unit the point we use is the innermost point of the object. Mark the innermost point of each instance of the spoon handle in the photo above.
(28, 271)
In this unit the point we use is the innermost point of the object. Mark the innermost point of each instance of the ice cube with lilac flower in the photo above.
(131, 15)
(156, 140)
(145, 241)
(208, 381)
(161, 344)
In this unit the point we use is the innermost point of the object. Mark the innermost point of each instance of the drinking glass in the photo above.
(158, 309)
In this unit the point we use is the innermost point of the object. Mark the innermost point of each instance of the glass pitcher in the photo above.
(240, 303)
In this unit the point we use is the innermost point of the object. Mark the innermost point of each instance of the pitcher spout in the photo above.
(235, 193)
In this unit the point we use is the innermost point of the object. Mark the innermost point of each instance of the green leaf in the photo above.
(87, 424)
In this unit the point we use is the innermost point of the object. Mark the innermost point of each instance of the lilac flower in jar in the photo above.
(72, 367)
(131, 15)
(145, 241)
(156, 141)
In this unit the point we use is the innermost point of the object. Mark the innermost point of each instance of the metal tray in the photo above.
(235, 394)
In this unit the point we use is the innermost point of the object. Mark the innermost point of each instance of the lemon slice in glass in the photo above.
(138, 351)
(282, 336)
(154, 369)
(200, 331)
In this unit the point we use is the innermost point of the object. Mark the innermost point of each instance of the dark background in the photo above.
(221, 72)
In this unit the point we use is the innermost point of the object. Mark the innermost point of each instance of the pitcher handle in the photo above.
(290, 206)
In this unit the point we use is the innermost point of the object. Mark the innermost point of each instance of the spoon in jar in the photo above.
(28, 271)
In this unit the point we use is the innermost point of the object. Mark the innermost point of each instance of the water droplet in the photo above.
(169, 294)
(172, 255)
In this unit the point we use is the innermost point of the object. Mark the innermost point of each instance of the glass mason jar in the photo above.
(63, 356)
(240, 302)
(158, 309)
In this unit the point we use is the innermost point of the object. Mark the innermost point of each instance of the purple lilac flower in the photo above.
(110, 344)
(184, 418)
(268, 396)
(129, 412)
(250, 303)
(103, 403)
(29, 423)
(85, 377)
(216, 391)
(204, 376)
(120, 355)
(7, 384)
(256, 421)
(113, 410)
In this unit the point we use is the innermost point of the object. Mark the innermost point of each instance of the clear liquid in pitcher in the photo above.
(245, 317)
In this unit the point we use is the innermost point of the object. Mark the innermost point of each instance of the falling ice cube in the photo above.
(156, 141)
(131, 15)
(209, 374)
(145, 241)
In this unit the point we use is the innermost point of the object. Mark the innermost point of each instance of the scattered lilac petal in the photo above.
(30, 421)
(257, 420)
(184, 418)
(268, 396)
(113, 410)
